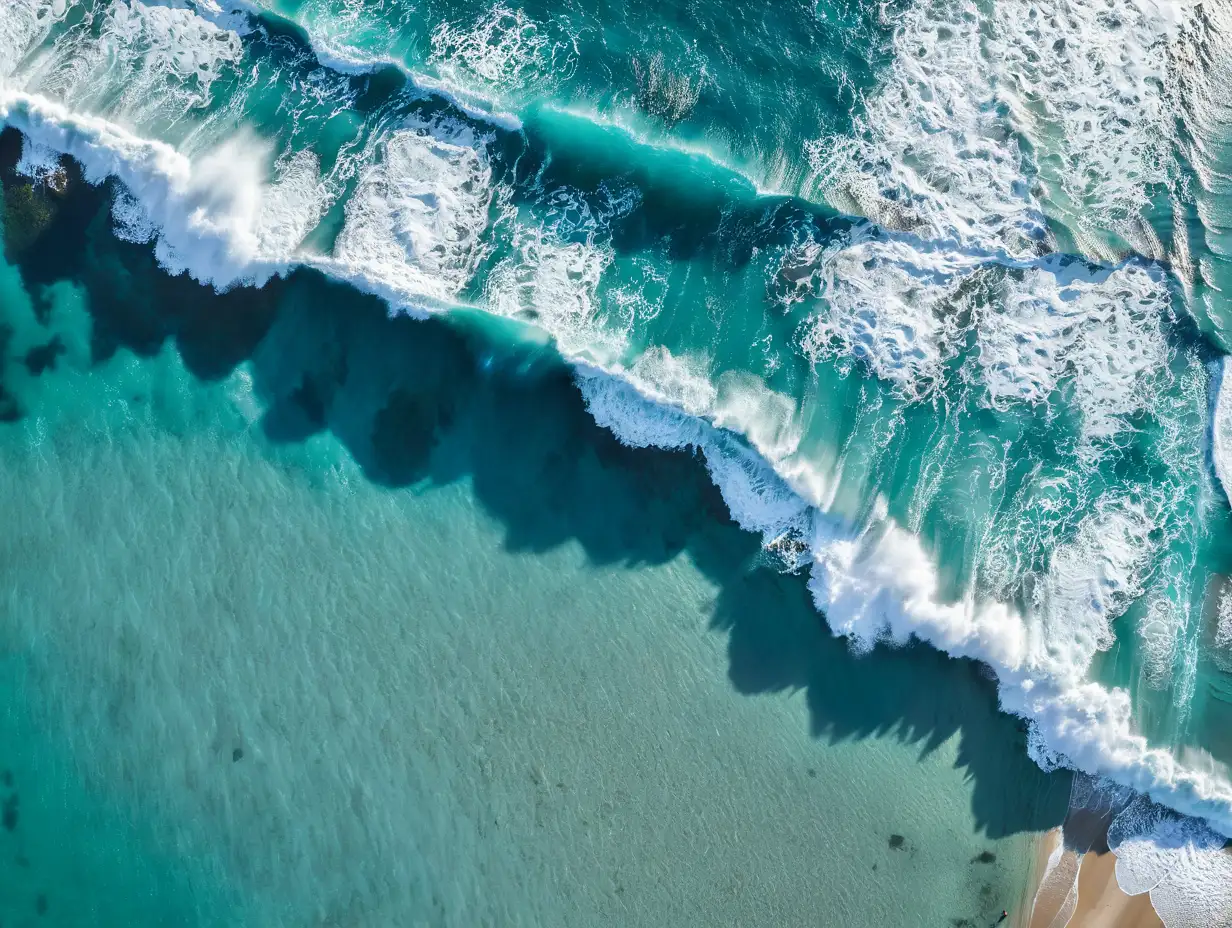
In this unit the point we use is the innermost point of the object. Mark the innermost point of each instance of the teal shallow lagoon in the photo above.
(481, 664)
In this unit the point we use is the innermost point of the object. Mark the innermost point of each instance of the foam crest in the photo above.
(147, 65)
(557, 254)
(555, 285)
(1102, 329)
(341, 41)
(23, 25)
(416, 219)
(639, 421)
(745, 405)
(1091, 581)
(504, 49)
(241, 231)
(668, 402)
(904, 309)
(1088, 84)
(1221, 428)
(674, 380)
(890, 306)
(878, 583)
(931, 154)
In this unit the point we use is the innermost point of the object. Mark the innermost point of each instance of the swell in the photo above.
(546, 120)
(483, 101)
(477, 106)
(556, 131)
(872, 583)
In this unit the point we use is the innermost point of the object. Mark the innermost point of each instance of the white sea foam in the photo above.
(1223, 630)
(1198, 893)
(241, 231)
(1203, 71)
(1088, 84)
(416, 219)
(143, 66)
(1147, 839)
(904, 310)
(551, 275)
(888, 304)
(935, 157)
(23, 25)
(129, 220)
(337, 48)
(38, 162)
(554, 284)
(504, 49)
(931, 154)
(1221, 428)
(1179, 861)
(935, 162)
(1103, 329)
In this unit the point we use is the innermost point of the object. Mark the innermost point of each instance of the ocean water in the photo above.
(316, 617)
(931, 293)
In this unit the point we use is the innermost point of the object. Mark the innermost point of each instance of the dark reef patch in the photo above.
(8, 813)
(43, 357)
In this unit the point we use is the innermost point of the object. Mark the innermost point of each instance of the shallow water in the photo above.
(317, 617)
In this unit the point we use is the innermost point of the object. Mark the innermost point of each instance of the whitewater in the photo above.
(981, 399)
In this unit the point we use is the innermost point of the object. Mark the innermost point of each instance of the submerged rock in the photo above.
(57, 180)
(27, 214)
(8, 813)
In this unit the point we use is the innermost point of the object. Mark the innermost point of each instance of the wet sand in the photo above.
(1051, 905)
(1103, 904)
(1080, 890)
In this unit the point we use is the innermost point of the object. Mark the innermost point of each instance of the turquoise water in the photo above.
(319, 617)
(930, 291)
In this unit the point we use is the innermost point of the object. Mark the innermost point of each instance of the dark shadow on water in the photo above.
(429, 403)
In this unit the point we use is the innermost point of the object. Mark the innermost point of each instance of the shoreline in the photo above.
(1101, 901)
(1080, 889)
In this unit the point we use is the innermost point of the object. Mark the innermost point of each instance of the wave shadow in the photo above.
(420, 404)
